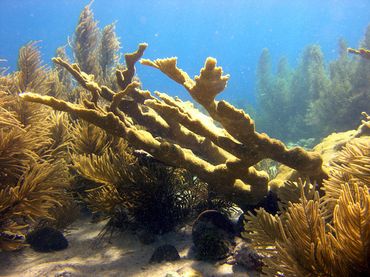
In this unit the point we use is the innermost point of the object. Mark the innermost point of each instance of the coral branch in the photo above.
(250, 147)
(124, 77)
(172, 154)
(176, 133)
(365, 53)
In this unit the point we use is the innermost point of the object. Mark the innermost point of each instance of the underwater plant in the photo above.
(309, 92)
(326, 235)
(295, 90)
(133, 191)
(131, 188)
(273, 92)
(95, 50)
(340, 94)
(102, 164)
(109, 47)
(34, 177)
(86, 42)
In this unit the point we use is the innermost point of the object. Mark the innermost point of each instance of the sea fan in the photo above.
(299, 242)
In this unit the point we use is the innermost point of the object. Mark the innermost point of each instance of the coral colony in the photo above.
(151, 160)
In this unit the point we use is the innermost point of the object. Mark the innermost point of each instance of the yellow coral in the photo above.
(365, 53)
(235, 149)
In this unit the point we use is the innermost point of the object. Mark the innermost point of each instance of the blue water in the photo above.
(233, 31)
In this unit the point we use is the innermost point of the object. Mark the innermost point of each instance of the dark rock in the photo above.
(165, 252)
(46, 239)
(213, 236)
(217, 219)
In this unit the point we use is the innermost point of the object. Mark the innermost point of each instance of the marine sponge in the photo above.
(213, 236)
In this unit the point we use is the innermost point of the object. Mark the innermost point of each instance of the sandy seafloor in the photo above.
(124, 256)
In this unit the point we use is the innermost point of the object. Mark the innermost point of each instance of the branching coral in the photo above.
(252, 146)
(222, 157)
(365, 53)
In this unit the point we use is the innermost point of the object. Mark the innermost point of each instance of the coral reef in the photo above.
(224, 158)
(332, 229)
(108, 177)
(148, 161)
(328, 149)
(129, 187)
(350, 167)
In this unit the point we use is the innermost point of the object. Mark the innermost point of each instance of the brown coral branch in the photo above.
(251, 146)
(124, 77)
(224, 181)
(86, 80)
(199, 144)
(222, 157)
(365, 53)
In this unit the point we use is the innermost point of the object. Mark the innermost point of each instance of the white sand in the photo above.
(124, 256)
